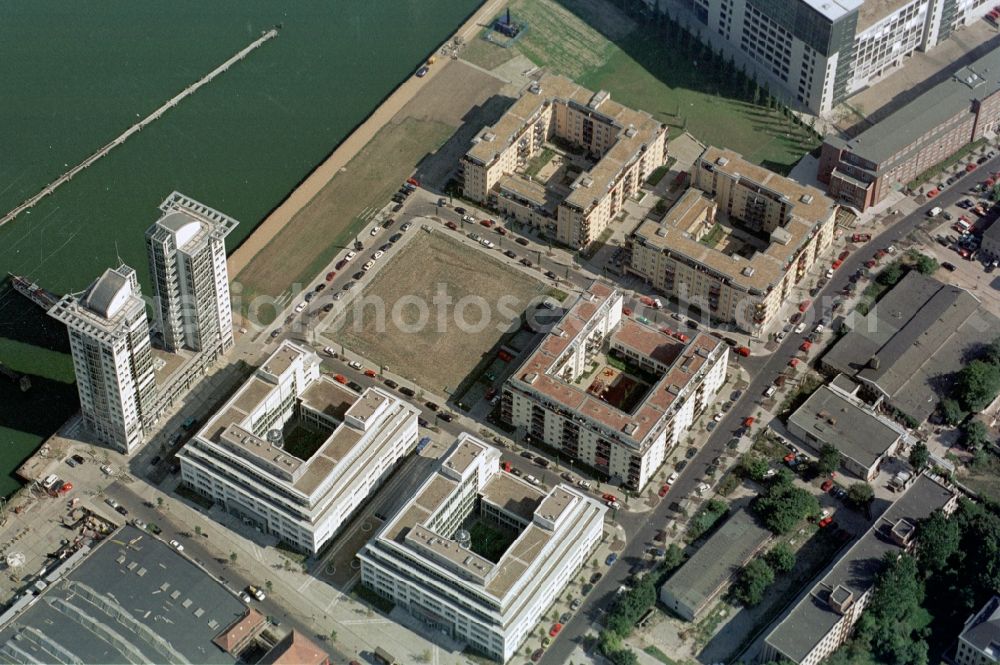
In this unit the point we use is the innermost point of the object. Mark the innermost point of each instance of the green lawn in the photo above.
(596, 44)
(490, 541)
(713, 237)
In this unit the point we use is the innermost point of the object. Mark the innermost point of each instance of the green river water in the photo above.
(76, 74)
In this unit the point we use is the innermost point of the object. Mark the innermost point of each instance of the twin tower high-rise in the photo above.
(109, 331)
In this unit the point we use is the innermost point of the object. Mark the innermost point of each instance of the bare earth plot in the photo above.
(435, 356)
(334, 216)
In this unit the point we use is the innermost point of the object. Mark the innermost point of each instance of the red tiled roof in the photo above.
(240, 632)
(295, 649)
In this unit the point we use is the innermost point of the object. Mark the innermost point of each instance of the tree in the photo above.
(975, 435)
(992, 353)
(159, 502)
(919, 455)
(951, 411)
(753, 581)
(977, 385)
(887, 624)
(197, 530)
(891, 274)
(781, 558)
(860, 495)
(333, 638)
(784, 506)
(995, 193)
(938, 542)
(269, 584)
(829, 459)
(926, 265)
(673, 557)
(753, 466)
(232, 557)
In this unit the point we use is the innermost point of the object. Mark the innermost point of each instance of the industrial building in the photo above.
(295, 453)
(817, 53)
(834, 416)
(620, 147)
(568, 396)
(187, 263)
(822, 619)
(429, 561)
(129, 599)
(112, 357)
(708, 572)
(735, 243)
(863, 170)
(919, 331)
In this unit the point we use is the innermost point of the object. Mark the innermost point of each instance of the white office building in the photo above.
(187, 263)
(112, 357)
(428, 558)
(819, 52)
(568, 396)
(294, 453)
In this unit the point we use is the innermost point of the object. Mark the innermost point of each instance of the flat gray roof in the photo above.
(809, 621)
(715, 562)
(983, 630)
(172, 609)
(928, 112)
(919, 331)
(833, 420)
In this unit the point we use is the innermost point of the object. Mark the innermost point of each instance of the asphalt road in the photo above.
(764, 369)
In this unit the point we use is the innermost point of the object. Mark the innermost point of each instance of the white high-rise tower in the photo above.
(187, 264)
(112, 358)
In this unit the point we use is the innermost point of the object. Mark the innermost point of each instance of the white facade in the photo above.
(112, 357)
(187, 263)
(421, 562)
(819, 52)
(237, 459)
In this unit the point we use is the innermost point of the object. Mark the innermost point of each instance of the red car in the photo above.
(330, 275)
(825, 522)
(505, 466)
(861, 237)
(879, 254)
(609, 497)
(370, 373)
(66, 488)
(806, 345)
(748, 421)
(804, 305)
(934, 192)
(837, 264)
(789, 457)
(827, 485)
(451, 225)
(341, 263)
(501, 230)
(794, 362)
(490, 393)
(844, 254)
(486, 222)
(870, 263)
(743, 351)
(627, 311)
(413, 181)
(556, 627)
(663, 490)
(340, 378)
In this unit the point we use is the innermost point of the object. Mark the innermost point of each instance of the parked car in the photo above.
(180, 548)
(611, 558)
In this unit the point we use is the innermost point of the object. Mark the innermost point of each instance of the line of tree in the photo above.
(920, 602)
(784, 505)
(754, 579)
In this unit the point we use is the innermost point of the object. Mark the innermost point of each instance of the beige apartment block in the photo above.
(736, 242)
(619, 146)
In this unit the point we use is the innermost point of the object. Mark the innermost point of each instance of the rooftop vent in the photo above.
(489, 137)
(721, 161)
(841, 598)
(631, 131)
(535, 88)
(806, 198)
(464, 539)
(662, 232)
(674, 389)
(630, 428)
(747, 271)
(873, 362)
(903, 531)
(530, 378)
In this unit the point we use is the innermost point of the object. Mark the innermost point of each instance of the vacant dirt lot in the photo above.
(434, 312)
(418, 135)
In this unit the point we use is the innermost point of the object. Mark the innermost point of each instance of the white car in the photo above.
(377, 255)
(703, 488)
(368, 266)
(770, 391)
(328, 350)
(350, 255)
(469, 219)
(375, 230)
(531, 479)
(829, 273)
(673, 478)
(354, 364)
(585, 484)
(338, 295)
(781, 335)
(245, 597)
(799, 329)
(177, 546)
(614, 505)
(819, 328)
(256, 592)
(486, 243)
(301, 306)
(107, 470)
(717, 417)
